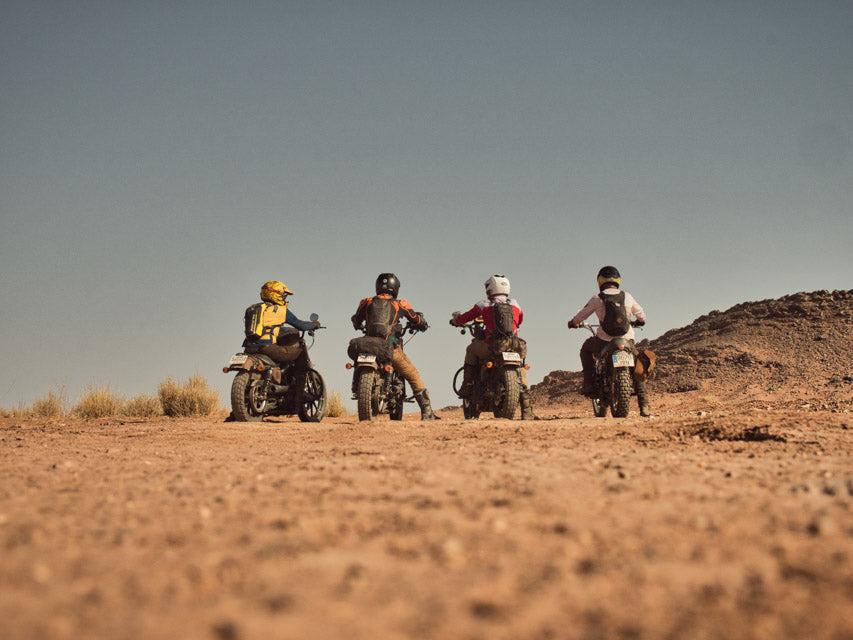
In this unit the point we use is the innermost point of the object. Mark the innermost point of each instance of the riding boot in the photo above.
(588, 388)
(426, 408)
(642, 397)
(468, 374)
(526, 405)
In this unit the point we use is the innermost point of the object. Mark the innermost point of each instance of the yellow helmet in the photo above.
(274, 291)
(609, 276)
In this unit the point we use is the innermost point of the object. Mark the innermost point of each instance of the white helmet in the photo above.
(497, 285)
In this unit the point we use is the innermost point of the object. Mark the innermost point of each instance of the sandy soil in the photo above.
(714, 526)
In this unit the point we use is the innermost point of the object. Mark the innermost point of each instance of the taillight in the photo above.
(490, 364)
(389, 368)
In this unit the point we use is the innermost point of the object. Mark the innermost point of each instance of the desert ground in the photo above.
(689, 524)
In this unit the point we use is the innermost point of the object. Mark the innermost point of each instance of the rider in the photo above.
(497, 290)
(264, 325)
(381, 316)
(609, 281)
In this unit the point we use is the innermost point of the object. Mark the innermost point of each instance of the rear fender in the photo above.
(254, 362)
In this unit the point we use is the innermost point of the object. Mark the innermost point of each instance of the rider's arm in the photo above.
(634, 308)
(414, 317)
(360, 314)
(293, 321)
(587, 311)
(469, 315)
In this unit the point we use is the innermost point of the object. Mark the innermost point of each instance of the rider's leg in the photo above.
(476, 351)
(525, 400)
(407, 370)
(642, 396)
(281, 354)
(589, 349)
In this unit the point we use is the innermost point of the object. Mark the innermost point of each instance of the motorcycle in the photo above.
(263, 388)
(498, 387)
(614, 376)
(375, 384)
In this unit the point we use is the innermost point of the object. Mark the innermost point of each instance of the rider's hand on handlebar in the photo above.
(317, 324)
(638, 323)
(574, 325)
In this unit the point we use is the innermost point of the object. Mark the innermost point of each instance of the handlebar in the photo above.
(409, 328)
(593, 327)
(470, 327)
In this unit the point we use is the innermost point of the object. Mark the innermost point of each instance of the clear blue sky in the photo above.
(160, 160)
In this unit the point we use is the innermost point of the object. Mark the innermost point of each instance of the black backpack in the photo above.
(381, 318)
(615, 321)
(504, 319)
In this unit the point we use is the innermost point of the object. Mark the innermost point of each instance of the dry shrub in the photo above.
(335, 407)
(144, 405)
(52, 405)
(192, 398)
(99, 402)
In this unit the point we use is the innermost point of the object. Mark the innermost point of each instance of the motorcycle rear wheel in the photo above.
(246, 405)
(314, 400)
(623, 385)
(364, 394)
(508, 404)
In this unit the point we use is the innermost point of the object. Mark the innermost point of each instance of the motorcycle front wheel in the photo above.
(470, 409)
(248, 399)
(364, 393)
(397, 412)
(314, 400)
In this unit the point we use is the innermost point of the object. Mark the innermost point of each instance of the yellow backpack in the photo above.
(263, 322)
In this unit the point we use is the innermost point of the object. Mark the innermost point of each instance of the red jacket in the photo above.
(484, 309)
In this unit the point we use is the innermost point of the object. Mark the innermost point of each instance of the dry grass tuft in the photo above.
(52, 405)
(99, 402)
(19, 411)
(192, 398)
(335, 407)
(144, 405)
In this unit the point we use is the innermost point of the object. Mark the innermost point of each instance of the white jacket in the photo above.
(596, 305)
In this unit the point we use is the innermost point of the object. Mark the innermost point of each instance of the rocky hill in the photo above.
(794, 350)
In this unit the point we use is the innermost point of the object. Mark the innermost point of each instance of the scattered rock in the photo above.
(485, 610)
(225, 630)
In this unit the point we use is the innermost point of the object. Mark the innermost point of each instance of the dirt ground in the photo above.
(679, 526)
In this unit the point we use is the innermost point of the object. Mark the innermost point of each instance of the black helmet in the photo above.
(609, 276)
(387, 283)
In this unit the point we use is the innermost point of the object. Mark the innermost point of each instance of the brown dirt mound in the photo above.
(792, 350)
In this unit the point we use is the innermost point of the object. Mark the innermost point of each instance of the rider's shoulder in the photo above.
(404, 304)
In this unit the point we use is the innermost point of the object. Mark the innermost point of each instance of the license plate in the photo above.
(623, 359)
(511, 356)
(366, 358)
(240, 358)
